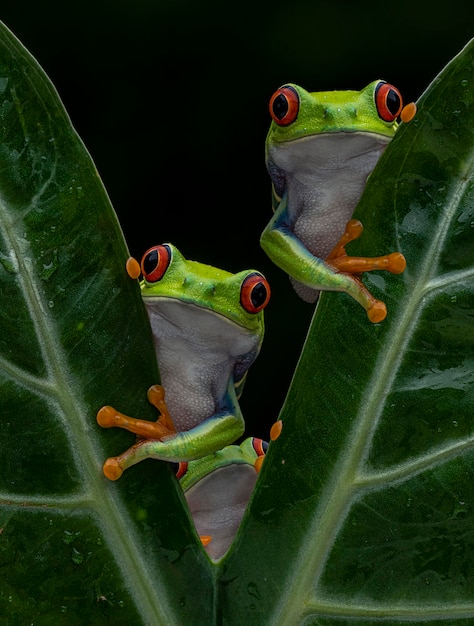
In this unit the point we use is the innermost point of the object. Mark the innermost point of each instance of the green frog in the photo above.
(217, 489)
(208, 328)
(320, 149)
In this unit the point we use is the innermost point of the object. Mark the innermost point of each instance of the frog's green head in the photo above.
(192, 472)
(239, 297)
(297, 113)
(217, 489)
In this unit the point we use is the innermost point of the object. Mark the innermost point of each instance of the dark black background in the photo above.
(170, 97)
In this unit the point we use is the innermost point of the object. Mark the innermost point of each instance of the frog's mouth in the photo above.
(319, 160)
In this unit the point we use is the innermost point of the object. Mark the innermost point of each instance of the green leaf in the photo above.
(75, 548)
(365, 506)
(363, 511)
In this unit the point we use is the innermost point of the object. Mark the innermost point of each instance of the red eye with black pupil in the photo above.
(155, 262)
(388, 101)
(259, 446)
(284, 106)
(254, 293)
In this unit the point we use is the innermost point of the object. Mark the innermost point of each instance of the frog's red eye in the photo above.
(254, 293)
(155, 262)
(260, 446)
(388, 101)
(284, 105)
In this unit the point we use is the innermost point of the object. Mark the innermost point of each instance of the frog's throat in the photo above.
(316, 159)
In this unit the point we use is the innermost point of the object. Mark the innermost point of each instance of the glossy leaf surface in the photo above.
(75, 548)
(364, 508)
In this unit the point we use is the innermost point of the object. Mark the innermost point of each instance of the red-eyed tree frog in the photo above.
(208, 328)
(320, 149)
(217, 488)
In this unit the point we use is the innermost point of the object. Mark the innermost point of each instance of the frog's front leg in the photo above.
(209, 436)
(160, 442)
(354, 266)
(108, 417)
(338, 272)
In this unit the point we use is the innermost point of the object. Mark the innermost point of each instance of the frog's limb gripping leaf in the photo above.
(408, 112)
(159, 442)
(275, 430)
(115, 466)
(205, 539)
(258, 463)
(394, 262)
(353, 266)
(133, 268)
(108, 417)
(332, 274)
(156, 397)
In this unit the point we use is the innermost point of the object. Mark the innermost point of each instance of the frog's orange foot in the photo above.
(339, 260)
(133, 267)
(393, 262)
(156, 397)
(377, 312)
(353, 231)
(205, 539)
(108, 417)
(258, 463)
(354, 266)
(275, 430)
(396, 263)
(112, 469)
(115, 466)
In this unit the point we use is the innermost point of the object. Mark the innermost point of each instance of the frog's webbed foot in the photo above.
(163, 428)
(339, 260)
(205, 539)
(156, 397)
(108, 417)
